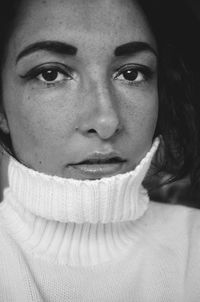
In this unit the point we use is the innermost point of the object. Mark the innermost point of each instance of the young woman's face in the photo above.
(80, 87)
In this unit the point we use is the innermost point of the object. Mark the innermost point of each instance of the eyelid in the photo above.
(146, 71)
(139, 67)
(36, 70)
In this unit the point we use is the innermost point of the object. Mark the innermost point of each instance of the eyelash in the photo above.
(66, 73)
(60, 69)
(145, 71)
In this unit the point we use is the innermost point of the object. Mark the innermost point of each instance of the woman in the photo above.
(82, 85)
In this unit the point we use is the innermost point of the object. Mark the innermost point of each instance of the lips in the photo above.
(99, 165)
(100, 160)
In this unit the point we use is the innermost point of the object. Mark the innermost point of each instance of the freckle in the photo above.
(40, 162)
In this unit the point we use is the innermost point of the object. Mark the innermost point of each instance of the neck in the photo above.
(75, 222)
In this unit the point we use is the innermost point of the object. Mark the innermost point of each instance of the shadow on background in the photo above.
(179, 192)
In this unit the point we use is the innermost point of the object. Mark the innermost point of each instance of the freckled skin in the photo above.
(50, 126)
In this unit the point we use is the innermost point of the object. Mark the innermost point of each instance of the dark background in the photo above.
(188, 21)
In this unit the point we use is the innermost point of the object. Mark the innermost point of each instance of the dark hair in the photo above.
(177, 121)
(176, 30)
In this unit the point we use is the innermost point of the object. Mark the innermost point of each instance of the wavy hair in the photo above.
(176, 30)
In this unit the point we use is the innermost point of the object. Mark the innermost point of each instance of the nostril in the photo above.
(105, 130)
(91, 131)
(118, 129)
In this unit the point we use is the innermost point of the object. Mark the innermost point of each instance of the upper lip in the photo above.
(102, 158)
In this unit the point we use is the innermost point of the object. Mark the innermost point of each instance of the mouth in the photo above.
(99, 165)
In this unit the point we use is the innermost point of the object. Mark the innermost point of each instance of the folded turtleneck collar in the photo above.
(74, 222)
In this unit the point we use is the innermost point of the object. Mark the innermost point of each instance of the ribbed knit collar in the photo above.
(74, 222)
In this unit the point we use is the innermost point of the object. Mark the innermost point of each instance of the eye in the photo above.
(49, 73)
(133, 75)
(130, 75)
(52, 76)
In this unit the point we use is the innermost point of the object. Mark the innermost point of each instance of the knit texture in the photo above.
(112, 199)
(69, 240)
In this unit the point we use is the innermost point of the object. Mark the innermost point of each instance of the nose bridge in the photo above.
(103, 98)
(102, 115)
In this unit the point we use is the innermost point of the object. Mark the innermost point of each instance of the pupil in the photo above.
(50, 75)
(130, 75)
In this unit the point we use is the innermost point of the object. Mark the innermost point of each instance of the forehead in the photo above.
(118, 21)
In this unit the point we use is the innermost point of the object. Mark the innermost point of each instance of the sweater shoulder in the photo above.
(180, 233)
(168, 208)
(175, 214)
(176, 221)
(5, 242)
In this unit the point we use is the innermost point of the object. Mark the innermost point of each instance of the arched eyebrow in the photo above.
(51, 46)
(132, 48)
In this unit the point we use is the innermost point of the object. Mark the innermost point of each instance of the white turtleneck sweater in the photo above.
(64, 240)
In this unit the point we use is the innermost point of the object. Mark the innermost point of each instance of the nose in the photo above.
(101, 115)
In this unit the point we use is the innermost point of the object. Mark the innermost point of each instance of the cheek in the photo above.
(40, 119)
(139, 118)
(140, 113)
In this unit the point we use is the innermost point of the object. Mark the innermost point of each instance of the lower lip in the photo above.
(96, 171)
